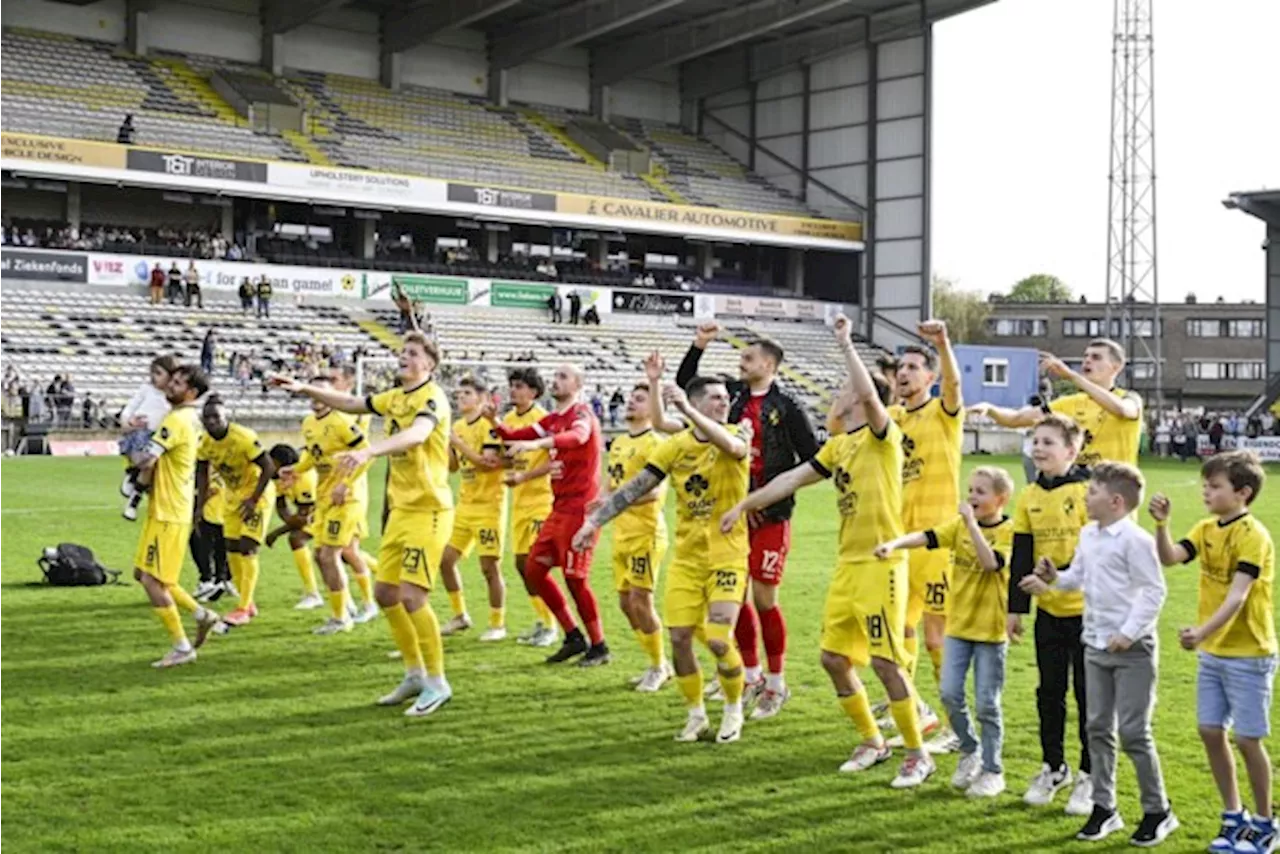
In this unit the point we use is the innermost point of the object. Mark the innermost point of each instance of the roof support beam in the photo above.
(572, 25)
(744, 66)
(281, 16)
(416, 22)
(703, 36)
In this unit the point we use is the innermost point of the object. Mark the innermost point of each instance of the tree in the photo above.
(1040, 287)
(965, 312)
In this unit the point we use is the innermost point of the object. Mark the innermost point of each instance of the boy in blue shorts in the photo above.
(1236, 639)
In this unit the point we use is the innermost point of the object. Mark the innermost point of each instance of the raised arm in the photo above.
(860, 378)
(716, 432)
(1027, 416)
(1126, 407)
(935, 332)
(988, 558)
(706, 333)
(654, 367)
(332, 398)
(1169, 552)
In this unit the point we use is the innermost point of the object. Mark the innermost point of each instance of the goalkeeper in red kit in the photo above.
(572, 434)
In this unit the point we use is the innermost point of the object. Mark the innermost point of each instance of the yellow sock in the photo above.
(908, 721)
(405, 636)
(237, 571)
(306, 572)
(183, 599)
(858, 708)
(458, 602)
(172, 621)
(911, 645)
(542, 611)
(651, 643)
(729, 662)
(691, 689)
(249, 572)
(936, 656)
(338, 603)
(365, 583)
(497, 618)
(428, 629)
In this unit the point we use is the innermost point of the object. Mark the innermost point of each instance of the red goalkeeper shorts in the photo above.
(554, 546)
(769, 546)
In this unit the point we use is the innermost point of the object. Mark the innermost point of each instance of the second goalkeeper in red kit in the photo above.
(572, 434)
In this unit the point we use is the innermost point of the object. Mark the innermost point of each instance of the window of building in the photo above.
(1243, 370)
(1245, 329)
(1019, 327)
(1081, 327)
(1144, 370)
(995, 372)
(1199, 328)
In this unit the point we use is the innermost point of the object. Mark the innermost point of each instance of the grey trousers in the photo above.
(1121, 687)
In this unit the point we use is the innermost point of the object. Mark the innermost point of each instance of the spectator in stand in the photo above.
(207, 351)
(174, 290)
(191, 280)
(1164, 436)
(575, 307)
(264, 297)
(554, 304)
(597, 403)
(1216, 431)
(616, 402)
(156, 283)
(591, 317)
(12, 391)
(1191, 439)
(124, 136)
(1268, 423)
(247, 292)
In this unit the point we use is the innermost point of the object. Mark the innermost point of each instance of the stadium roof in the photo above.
(733, 42)
(1264, 204)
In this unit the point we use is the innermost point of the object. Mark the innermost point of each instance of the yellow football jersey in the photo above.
(323, 438)
(1241, 545)
(173, 486)
(978, 598)
(1052, 511)
(534, 493)
(867, 472)
(627, 458)
(1106, 436)
(304, 489)
(365, 422)
(931, 444)
(478, 487)
(419, 477)
(707, 482)
(232, 456)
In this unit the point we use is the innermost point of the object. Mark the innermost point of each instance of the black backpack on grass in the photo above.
(70, 565)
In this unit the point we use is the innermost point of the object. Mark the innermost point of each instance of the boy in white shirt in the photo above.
(1116, 565)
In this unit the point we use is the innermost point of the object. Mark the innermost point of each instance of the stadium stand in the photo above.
(56, 85)
(105, 340)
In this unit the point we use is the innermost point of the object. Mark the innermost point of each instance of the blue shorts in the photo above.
(135, 441)
(1235, 693)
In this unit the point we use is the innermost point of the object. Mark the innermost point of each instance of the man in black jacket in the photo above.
(782, 438)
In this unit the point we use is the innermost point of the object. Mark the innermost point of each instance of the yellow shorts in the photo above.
(929, 575)
(233, 527)
(161, 549)
(412, 546)
(525, 529)
(636, 563)
(865, 611)
(693, 588)
(336, 526)
(480, 531)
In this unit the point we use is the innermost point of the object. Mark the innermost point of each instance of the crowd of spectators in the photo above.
(186, 242)
(57, 402)
(1177, 433)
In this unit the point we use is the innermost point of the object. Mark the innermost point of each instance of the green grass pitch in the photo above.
(271, 740)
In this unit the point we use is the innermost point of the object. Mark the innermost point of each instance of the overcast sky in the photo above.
(1021, 135)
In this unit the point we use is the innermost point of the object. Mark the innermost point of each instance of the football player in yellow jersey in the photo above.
(339, 514)
(932, 434)
(1047, 520)
(866, 608)
(706, 584)
(302, 493)
(344, 379)
(167, 465)
(1235, 637)
(980, 539)
(640, 537)
(529, 479)
(480, 518)
(234, 450)
(416, 417)
(1110, 417)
